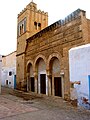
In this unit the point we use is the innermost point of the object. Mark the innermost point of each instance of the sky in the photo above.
(9, 9)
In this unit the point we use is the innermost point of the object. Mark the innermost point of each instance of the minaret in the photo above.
(30, 21)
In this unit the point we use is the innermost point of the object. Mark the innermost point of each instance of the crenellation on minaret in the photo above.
(33, 7)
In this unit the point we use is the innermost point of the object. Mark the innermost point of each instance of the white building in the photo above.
(79, 64)
(9, 70)
(0, 71)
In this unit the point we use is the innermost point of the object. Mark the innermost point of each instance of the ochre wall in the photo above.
(31, 14)
(56, 41)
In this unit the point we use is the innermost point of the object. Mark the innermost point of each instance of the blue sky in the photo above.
(57, 9)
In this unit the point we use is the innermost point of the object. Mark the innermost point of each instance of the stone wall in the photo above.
(56, 40)
(25, 24)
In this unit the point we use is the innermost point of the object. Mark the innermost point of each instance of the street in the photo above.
(39, 108)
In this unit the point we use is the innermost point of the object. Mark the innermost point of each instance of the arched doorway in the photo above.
(31, 81)
(56, 80)
(42, 78)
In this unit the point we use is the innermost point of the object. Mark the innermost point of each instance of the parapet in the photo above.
(74, 15)
(71, 17)
(22, 11)
(32, 6)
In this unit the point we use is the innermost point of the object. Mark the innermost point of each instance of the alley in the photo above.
(38, 108)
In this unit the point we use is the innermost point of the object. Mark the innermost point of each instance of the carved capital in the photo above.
(48, 73)
(27, 74)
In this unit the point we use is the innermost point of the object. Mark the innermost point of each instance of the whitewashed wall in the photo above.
(6, 76)
(9, 65)
(0, 71)
(79, 67)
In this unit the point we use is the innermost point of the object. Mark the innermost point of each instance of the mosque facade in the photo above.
(43, 51)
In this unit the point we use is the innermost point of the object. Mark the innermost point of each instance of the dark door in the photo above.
(32, 84)
(6, 82)
(43, 83)
(14, 81)
(58, 86)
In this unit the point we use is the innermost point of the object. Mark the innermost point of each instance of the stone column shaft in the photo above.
(36, 81)
(49, 83)
(27, 80)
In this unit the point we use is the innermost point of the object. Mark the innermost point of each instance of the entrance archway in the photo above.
(56, 80)
(42, 79)
(31, 81)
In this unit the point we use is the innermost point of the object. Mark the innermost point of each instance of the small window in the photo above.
(10, 73)
(21, 27)
(25, 25)
(6, 82)
(20, 30)
(35, 25)
(9, 83)
(39, 26)
(18, 65)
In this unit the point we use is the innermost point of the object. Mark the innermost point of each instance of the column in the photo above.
(27, 81)
(62, 73)
(36, 81)
(48, 87)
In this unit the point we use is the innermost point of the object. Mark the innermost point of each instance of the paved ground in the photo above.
(37, 108)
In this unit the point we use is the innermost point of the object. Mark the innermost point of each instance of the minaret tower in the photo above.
(29, 21)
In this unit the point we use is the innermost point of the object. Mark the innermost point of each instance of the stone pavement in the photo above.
(39, 108)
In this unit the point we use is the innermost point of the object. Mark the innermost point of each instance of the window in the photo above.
(25, 25)
(18, 65)
(21, 27)
(35, 25)
(10, 73)
(39, 26)
(9, 82)
(6, 82)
